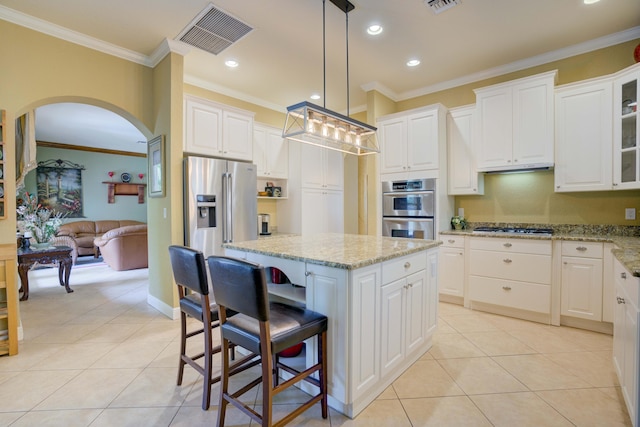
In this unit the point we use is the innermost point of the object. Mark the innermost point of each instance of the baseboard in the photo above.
(171, 312)
(451, 299)
(590, 325)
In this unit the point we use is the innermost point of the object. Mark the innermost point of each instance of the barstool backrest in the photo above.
(189, 268)
(240, 285)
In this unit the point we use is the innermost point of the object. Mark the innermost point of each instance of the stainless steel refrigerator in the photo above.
(220, 203)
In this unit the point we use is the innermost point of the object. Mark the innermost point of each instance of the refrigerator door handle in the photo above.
(225, 203)
(229, 207)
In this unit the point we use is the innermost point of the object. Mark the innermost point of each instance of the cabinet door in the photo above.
(364, 342)
(393, 321)
(432, 292)
(314, 217)
(630, 382)
(333, 206)
(533, 122)
(393, 145)
(581, 288)
(463, 177)
(260, 149)
(333, 170)
(203, 128)
(495, 123)
(237, 136)
(619, 333)
(626, 131)
(584, 138)
(422, 141)
(416, 310)
(311, 166)
(277, 155)
(451, 270)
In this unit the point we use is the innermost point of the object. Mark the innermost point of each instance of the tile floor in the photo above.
(103, 357)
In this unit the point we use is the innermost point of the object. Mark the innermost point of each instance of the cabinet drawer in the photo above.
(582, 249)
(401, 267)
(511, 266)
(452, 241)
(540, 247)
(630, 283)
(520, 295)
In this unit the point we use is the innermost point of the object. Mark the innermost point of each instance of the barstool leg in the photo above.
(208, 355)
(322, 357)
(224, 381)
(183, 346)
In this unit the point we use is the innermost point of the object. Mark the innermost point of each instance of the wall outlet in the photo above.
(630, 213)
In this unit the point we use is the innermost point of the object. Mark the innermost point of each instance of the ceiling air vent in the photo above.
(438, 6)
(213, 30)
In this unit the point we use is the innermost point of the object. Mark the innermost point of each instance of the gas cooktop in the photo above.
(515, 230)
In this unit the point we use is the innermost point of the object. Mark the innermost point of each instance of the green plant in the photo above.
(458, 222)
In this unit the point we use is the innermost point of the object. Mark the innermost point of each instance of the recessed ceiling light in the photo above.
(591, 1)
(413, 62)
(231, 63)
(315, 96)
(374, 29)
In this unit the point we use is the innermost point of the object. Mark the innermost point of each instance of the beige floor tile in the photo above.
(387, 394)
(591, 367)
(75, 356)
(156, 387)
(68, 418)
(444, 327)
(112, 333)
(539, 373)
(445, 308)
(481, 375)
(444, 411)
(194, 398)
(426, 379)
(448, 346)
(29, 354)
(157, 331)
(7, 418)
(135, 417)
(130, 354)
(519, 409)
(92, 388)
(544, 341)
(587, 407)
(191, 416)
(498, 343)
(586, 339)
(311, 417)
(65, 334)
(25, 390)
(469, 323)
(380, 413)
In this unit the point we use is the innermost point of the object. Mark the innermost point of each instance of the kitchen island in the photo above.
(379, 293)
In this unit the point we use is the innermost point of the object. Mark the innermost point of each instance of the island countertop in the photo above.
(346, 251)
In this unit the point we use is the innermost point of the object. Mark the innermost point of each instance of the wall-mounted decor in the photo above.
(155, 160)
(60, 187)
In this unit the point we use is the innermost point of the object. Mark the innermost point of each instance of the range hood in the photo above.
(533, 167)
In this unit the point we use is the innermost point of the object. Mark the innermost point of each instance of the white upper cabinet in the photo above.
(410, 141)
(270, 152)
(626, 129)
(213, 129)
(515, 123)
(584, 136)
(321, 168)
(462, 174)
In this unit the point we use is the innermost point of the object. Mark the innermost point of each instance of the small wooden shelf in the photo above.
(124, 189)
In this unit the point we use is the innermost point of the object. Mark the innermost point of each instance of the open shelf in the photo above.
(124, 189)
(288, 291)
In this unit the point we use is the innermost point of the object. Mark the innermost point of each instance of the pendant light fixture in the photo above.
(311, 124)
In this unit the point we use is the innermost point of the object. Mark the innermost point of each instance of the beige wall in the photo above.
(530, 197)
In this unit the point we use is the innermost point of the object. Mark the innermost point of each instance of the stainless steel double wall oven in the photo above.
(408, 208)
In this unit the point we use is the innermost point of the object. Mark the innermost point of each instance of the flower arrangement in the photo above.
(458, 222)
(43, 223)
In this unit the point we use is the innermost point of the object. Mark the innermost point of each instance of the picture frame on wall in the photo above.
(156, 163)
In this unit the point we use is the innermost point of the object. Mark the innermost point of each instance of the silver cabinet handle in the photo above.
(507, 245)
(623, 275)
(407, 264)
(307, 273)
(621, 300)
(507, 260)
(506, 288)
(451, 241)
(581, 248)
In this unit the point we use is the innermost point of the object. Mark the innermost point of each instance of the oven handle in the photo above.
(404, 219)
(408, 193)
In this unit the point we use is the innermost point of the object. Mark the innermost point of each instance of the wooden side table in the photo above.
(60, 255)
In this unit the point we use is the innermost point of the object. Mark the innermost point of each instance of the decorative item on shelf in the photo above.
(125, 177)
(141, 176)
(26, 243)
(40, 222)
(277, 191)
(110, 173)
(458, 222)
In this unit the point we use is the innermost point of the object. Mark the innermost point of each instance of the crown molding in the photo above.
(164, 48)
(378, 87)
(556, 55)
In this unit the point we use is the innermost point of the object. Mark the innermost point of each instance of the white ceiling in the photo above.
(281, 59)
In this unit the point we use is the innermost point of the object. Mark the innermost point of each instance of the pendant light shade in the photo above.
(311, 124)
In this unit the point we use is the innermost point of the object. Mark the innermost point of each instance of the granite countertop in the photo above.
(346, 251)
(627, 252)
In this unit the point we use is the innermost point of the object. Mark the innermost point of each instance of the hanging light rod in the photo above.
(311, 124)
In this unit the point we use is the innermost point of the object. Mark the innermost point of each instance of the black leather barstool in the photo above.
(190, 275)
(263, 328)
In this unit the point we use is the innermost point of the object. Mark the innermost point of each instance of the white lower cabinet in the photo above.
(626, 355)
(582, 279)
(514, 274)
(451, 269)
(403, 309)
